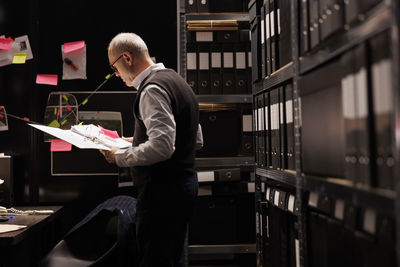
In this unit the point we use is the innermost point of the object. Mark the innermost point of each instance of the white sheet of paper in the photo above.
(4, 228)
(83, 142)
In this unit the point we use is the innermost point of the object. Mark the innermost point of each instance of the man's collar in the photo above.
(139, 79)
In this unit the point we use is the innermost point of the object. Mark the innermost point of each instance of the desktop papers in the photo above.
(85, 137)
(4, 228)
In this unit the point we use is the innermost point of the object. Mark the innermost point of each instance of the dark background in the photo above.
(48, 25)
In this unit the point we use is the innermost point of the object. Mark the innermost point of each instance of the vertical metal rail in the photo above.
(395, 8)
(301, 226)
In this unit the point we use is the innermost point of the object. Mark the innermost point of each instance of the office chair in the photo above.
(103, 238)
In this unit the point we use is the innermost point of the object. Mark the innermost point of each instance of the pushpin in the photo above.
(70, 63)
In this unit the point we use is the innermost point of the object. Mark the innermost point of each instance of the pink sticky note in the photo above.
(60, 145)
(73, 46)
(50, 79)
(109, 133)
(5, 43)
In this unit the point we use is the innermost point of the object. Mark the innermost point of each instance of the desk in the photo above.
(27, 246)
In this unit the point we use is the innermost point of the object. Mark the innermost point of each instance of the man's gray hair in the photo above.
(130, 42)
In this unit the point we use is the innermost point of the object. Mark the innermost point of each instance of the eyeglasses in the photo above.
(114, 69)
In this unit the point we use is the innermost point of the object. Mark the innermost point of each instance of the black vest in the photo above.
(186, 113)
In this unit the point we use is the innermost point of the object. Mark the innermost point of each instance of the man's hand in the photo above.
(110, 154)
(128, 139)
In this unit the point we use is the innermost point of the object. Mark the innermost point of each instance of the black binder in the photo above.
(204, 69)
(203, 5)
(240, 68)
(249, 69)
(382, 92)
(227, 36)
(282, 129)
(247, 133)
(321, 102)
(313, 23)
(255, 49)
(261, 129)
(191, 6)
(275, 134)
(262, 42)
(290, 127)
(304, 27)
(324, 19)
(216, 69)
(362, 115)
(336, 20)
(267, 132)
(285, 40)
(349, 115)
(274, 34)
(228, 75)
(267, 43)
(350, 11)
(192, 67)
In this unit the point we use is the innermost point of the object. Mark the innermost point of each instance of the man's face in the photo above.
(119, 64)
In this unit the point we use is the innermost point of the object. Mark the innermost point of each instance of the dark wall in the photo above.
(48, 25)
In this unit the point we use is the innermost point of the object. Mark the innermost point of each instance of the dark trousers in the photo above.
(162, 213)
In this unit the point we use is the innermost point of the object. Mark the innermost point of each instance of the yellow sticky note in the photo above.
(19, 58)
(54, 124)
(63, 122)
(65, 97)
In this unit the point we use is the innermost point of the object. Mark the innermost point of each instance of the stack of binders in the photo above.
(274, 40)
(321, 19)
(354, 94)
(195, 6)
(218, 62)
(274, 125)
(276, 231)
(340, 234)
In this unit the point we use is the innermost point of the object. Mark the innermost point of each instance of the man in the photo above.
(162, 153)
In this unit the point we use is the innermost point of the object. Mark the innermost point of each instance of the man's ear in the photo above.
(128, 58)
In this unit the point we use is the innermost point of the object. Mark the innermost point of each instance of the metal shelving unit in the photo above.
(287, 177)
(245, 163)
(359, 195)
(384, 16)
(377, 20)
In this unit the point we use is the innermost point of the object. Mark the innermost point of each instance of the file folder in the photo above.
(203, 6)
(204, 69)
(191, 67)
(228, 76)
(383, 110)
(216, 69)
(290, 127)
(282, 129)
(240, 68)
